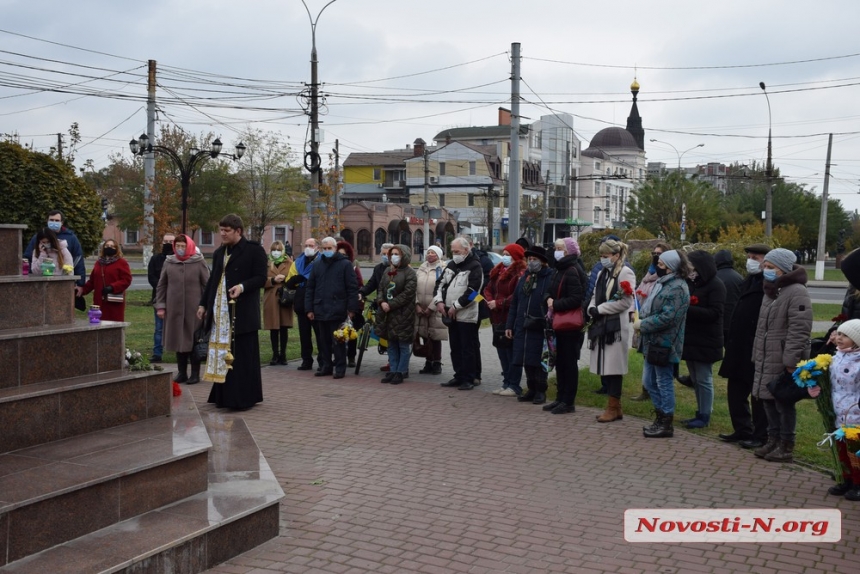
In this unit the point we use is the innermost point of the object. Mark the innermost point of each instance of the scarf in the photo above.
(606, 329)
(529, 284)
(304, 266)
(279, 260)
(190, 248)
(108, 260)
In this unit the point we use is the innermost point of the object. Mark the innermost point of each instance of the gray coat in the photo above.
(782, 334)
(178, 292)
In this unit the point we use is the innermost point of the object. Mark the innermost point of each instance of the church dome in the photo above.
(634, 87)
(613, 138)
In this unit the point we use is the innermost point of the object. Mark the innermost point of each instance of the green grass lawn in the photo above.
(830, 275)
(825, 311)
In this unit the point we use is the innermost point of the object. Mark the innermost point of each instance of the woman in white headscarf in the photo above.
(428, 322)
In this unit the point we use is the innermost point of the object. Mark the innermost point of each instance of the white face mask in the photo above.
(507, 260)
(559, 255)
(310, 251)
(753, 266)
(277, 254)
(606, 262)
(180, 252)
(458, 258)
(395, 260)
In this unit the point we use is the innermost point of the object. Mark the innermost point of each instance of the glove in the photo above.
(637, 324)
(593, 312)
(106, 290)
(294, 281)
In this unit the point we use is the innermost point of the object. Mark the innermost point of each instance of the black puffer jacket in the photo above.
(703, 341)
(330, 288)
(738, 363)
(732, 280)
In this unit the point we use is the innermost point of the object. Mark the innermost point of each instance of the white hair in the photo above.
(329, 241)
(386, 246)
(462, 242)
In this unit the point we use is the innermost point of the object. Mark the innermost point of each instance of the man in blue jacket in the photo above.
(55, 224)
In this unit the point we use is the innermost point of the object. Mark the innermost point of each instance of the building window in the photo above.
(377, 174)
(207, 238)
(471, 198)
(441, 168)
(473, 168)
(279, 233)
(596, 188)
(441, 200)
(597, 166)
(131, 236)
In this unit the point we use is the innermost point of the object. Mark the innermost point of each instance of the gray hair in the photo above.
(386, 246)
(463, 242)
(329, 241)
(467, 238)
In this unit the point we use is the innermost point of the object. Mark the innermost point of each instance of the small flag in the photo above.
(475, 296)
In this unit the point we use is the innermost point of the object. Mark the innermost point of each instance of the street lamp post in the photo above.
(768, 170)
(185, 166)
(683, 205)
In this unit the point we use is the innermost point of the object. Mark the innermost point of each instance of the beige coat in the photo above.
(179, 290)
(424, 297)
(275, 316)
(612, 359)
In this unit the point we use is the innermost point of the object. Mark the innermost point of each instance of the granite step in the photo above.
(238, 511)
(56, 492)
(51, 352)
(38, 413)
(36, 300)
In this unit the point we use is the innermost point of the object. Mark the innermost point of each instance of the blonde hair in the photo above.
(613, 247)
(276, 245)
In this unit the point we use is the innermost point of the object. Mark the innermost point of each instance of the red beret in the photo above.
(516, 251)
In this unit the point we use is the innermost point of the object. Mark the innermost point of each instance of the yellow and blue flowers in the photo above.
(809, 373)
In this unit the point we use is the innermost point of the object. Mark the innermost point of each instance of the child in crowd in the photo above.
(845, 390)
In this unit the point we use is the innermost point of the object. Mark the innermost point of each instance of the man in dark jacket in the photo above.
(732, 280)
(56, 223)
(750, 430)
(238, 383)
(153, 274)
(297, 279)
(331, 286)
(456, 299)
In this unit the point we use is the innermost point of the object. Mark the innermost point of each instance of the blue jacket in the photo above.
(664, 315)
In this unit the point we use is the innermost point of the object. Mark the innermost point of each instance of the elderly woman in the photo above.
(499, 293)
(781, 341)
(111, 275)
(278, 320)
(642, 292)
(565, 293)
(396, 299)
(661, 324)
(180, 287)
(526, 323)
(610, 333)
(428, 322)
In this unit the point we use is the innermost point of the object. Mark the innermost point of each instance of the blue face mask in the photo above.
(507, 260)
(769, 275)
(385, 259)
(55, 225)
(328, 253)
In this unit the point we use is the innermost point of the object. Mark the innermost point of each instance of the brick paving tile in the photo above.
(422, 479)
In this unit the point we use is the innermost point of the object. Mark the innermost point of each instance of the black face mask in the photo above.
(654, 260)
(661, 272)
(167, 249)
(110, 251)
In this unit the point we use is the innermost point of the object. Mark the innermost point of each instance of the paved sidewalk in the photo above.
(417, 478)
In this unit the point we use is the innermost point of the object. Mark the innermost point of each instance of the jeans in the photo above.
(399, 353)
(512, 374)
(781, 419)
(703, 383)
(660, 385)
(158, 337)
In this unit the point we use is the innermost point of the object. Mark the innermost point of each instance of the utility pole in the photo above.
(149, 167)
(514, 166)
(768, 206)
(426, 207)
(490, 207)
(336, 190)
(542, 235)
(822, 224)
(59, 146)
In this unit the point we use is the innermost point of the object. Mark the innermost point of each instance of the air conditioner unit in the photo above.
(434, 179)
(379, 185)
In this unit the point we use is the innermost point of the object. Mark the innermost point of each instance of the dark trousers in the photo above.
(612, 384)
(463, 338)
(568, 345)
(329, 348)
(535, 379)
(279, 338)
(751, 424)
(478, 363)
(306, 327)
(781, 419)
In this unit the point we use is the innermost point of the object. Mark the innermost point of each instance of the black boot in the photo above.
(841, 489)
(657, 415)
(195, 373)
(182, 362)
(273, 336)
(428, 367)
(527, 396)
(437, 368)
(282, 356)
(664, 428)
(539, 398)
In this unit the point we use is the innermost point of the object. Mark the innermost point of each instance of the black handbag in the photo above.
(286, 297)
(658, 356)
(500, 341)
(201, 344)
(534, 323)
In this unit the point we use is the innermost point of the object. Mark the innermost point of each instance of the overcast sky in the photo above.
(395, 70)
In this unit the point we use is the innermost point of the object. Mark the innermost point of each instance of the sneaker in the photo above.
(477, 382)
(155, 359)
(508, 393)
(498, 391)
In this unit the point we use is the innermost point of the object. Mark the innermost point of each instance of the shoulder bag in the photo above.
(286, 297)
(570, 320)
(112, 297)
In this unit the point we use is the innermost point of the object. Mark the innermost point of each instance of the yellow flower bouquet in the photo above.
(345, 332)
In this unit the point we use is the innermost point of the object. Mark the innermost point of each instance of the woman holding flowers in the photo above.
(845, 392)
(610, 332)
(396, 299)
(781, 341)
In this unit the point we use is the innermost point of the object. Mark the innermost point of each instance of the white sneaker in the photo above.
(508, 393)
(498, 391)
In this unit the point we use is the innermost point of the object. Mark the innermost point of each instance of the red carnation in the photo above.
(840, 318)
(694, 300)
(627, 288)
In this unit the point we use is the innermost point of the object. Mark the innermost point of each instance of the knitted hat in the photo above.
(782, 258)
(671, 259)
(571, 246)
(517, 252)
(851, 268)
(436, 250)
(851, 329)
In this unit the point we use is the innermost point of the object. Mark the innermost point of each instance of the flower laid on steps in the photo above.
(135, 361)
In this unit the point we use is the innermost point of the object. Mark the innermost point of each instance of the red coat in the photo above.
(117, 275)
(503, 282)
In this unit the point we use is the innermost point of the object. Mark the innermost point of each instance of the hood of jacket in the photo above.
(406, 257)
(723, 258)
(796, 276)
(704, 264)
(566, 262)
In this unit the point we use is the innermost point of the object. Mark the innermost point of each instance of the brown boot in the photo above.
(771, 444)
(782, 453)
(612, 412)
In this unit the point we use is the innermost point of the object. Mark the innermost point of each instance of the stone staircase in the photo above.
(102, 469)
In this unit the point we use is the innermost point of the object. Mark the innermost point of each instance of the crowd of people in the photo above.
(690, 307)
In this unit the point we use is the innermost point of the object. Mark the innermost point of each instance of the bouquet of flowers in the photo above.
(345, 332)
(814, 372)
(134, 361)
(624, 290)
